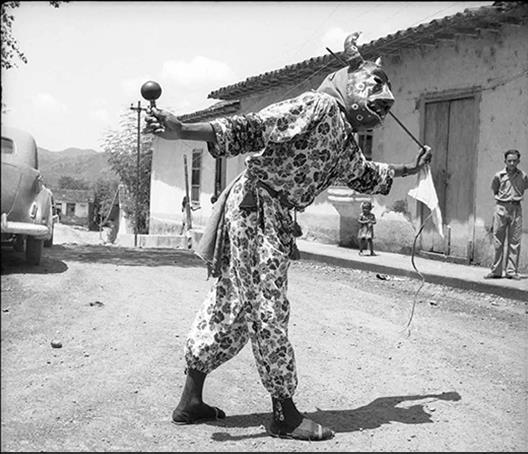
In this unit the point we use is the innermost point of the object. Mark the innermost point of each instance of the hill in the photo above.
(84, 164)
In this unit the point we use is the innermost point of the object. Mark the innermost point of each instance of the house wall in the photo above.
(488, 63)
(168, 185)
(82, 212)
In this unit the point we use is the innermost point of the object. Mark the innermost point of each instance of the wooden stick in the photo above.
(406, 130)
(340, 60)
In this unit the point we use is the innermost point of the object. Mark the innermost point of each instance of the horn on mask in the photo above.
(351, 54)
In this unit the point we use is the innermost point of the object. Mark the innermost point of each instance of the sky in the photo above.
(88, 60)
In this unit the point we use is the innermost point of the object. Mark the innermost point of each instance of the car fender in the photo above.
(44, 213)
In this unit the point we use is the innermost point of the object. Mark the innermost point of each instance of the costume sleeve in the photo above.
(367, 177)
(525, 181)
(278, 123)
(236, 135)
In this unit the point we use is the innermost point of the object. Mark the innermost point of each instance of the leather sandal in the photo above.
(308, 430)
(186, 418)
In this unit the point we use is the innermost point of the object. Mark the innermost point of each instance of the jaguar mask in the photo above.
(362, 89)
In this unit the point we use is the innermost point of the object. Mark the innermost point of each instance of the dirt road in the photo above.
(457, 383)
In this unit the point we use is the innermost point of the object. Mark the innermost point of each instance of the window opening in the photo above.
(365, 143)
(8, 145)
(196, 170)
(70, 209)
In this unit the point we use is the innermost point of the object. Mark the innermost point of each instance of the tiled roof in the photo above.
(470, 22)
(73, 195)
(218, 109)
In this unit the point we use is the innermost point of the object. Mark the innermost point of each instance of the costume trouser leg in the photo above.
(248, 301)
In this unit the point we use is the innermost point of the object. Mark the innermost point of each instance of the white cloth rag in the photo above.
(425, 192)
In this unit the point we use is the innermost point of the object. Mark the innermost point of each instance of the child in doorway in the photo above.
(366, 220)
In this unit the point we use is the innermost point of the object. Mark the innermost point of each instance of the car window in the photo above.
(8, 146)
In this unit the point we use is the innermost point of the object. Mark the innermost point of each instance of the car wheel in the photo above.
(33, 250)
(18, 243)
(49, 243)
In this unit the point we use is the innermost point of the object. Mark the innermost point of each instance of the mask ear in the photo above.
(352, 55)
(378, 61)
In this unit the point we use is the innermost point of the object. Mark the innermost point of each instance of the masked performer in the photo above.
(299, 148)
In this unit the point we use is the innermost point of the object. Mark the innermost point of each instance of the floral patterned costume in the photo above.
(301, 146)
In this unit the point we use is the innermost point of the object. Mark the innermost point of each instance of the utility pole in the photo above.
(138, 109)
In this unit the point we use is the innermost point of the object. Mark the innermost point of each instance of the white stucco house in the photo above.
(461, 86)
(74, 206)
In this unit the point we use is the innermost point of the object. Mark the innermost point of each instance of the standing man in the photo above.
(299, 147)
(508, 186)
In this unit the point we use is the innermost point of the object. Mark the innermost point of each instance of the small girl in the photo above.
(366, 228)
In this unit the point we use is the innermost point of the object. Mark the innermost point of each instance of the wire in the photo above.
(317, 29)
(434, 14)
(413, 253)
(505, 81)
(284, 96)
(307, 79)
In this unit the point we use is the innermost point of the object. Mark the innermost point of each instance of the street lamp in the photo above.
(150, 91)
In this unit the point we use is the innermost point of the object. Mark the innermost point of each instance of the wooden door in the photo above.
(450, 130)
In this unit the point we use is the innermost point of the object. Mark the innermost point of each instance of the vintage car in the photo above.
(27, 205)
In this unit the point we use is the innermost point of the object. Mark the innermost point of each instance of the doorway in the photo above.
(450, 129)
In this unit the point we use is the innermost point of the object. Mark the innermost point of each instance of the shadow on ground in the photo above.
(15, 263)
(380, 411)
(126, 256)
(54, 259)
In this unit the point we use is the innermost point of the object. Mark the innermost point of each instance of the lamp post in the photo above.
(151, 91)
(138, 109)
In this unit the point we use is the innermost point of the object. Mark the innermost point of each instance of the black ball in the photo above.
(150, 90)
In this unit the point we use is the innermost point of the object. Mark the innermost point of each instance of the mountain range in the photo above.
(83, 164)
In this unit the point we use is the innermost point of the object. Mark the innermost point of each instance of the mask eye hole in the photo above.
(378, 84)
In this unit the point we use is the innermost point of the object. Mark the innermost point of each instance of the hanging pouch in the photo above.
(249, 202)
(296, 231)
(294, 251)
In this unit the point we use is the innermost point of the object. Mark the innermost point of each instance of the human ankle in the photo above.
(190, 402)
(285, 412)
(193, 389)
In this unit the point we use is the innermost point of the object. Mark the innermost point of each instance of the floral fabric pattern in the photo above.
(248, 301)
(301, 146)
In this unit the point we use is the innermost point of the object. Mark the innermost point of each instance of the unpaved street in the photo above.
(457, 383)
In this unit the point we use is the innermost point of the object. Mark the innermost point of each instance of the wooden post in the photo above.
(188, 220)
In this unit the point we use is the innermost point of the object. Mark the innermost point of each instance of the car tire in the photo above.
(33, 250)
(18, 243)
(49, 243)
